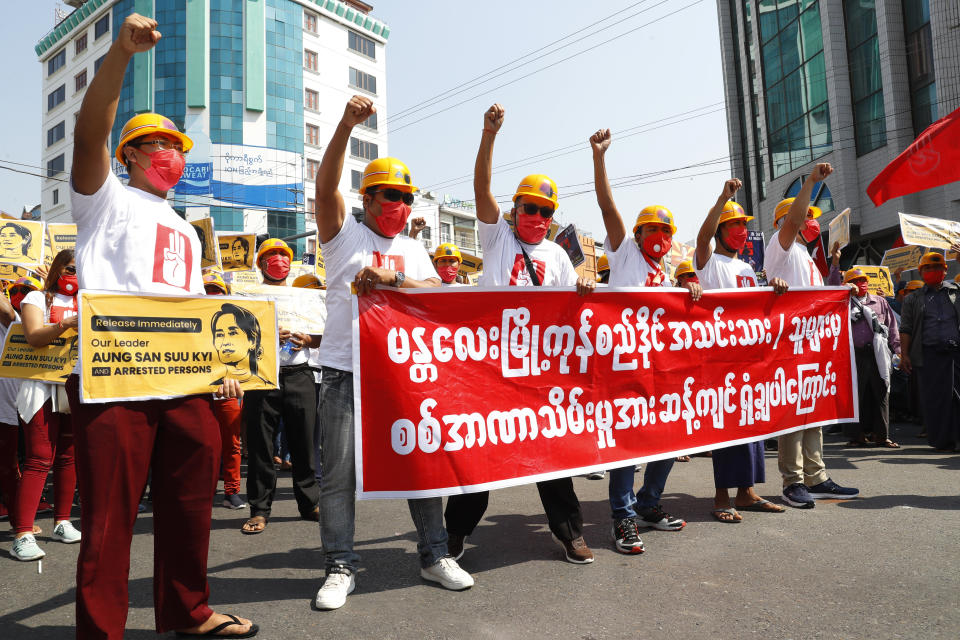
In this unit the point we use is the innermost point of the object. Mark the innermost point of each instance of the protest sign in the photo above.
(570, 243)
(140, 347)
(52, 363)
(752, 252)
(902, 257)
(300, 310)
(12, 272)
(542, 384)
(59, 236)
(879, 281)
(840, 229)
(21, 243)
(209, 243)
(929, 232)
(236, 251)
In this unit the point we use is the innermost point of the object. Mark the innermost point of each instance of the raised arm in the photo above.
(792, 222)
(616, 231)
(487, 209)
(91, 158)
(709, 227)
(330, 209)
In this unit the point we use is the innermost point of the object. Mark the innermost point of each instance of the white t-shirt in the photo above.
(723, 272)
(130, 240)
(354, 247)
(9, 388)
(34, 393)
(794, 266)
(630, 268)
(503, 263)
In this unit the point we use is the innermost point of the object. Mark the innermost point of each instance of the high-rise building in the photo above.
(259, 85)
(850, 82)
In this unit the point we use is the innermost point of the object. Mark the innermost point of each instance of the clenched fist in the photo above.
(600, 141)
(138, 33)
(730, 187)
(493, 118)
(358, 109)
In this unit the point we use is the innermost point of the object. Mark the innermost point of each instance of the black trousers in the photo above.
(874, 399)
(560, 503)
(295, 402)
(939, 384)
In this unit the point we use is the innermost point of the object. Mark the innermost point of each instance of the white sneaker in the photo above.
(66, 532)
(449, 574)
(333, 594)
(26, 549)
(596, 475)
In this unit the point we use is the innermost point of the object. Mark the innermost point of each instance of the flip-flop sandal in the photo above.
(735, 517)
(250, 522)
(889, 444)
(683, 459)
(215, 632)
(763, 506)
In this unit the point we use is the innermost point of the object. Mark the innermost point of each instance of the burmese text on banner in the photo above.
(142, 347)
(533, 385)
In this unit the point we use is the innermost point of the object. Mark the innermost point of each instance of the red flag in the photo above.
(819, 256)
(932, 160)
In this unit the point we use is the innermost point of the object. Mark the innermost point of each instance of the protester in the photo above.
(9, 387)
(312, 281)
(741, 466)
(230, 417)
(130, 240)
(930, 343)
(800, 453)
(518, 256)
(633, 264)
(447, 259)
(294, 402)
(603, 269)
(870, 315)
(685, 274)
(365, 255)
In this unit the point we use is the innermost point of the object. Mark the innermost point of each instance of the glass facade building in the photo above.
(866, 82)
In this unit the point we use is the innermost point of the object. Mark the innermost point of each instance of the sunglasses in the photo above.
(395, 195)
(160, 142)
(72, 270)
(531, 210)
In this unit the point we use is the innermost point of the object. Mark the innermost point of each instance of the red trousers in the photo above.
(9, 468)
(117, 443)
(230, 417)
(48, 438)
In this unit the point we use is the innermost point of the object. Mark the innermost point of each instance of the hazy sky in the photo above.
(632, 67)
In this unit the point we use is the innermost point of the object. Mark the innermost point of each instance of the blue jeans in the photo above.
(623, 502)
(339, 488)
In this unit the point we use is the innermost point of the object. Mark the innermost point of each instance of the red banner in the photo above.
(468, 389)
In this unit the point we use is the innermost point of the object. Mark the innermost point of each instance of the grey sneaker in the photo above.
(797, 495)
(66, 532)
(234, 501)
(26, 549)
(449, 574)
(338, 585)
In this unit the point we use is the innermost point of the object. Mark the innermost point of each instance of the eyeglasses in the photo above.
(531, 209)
(72, 270)
(395, 195)
(163, 143)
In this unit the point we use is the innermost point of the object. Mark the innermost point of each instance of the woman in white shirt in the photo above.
(45, 413)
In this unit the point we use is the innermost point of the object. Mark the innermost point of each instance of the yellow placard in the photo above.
(141, 347)
(298, 309)
(929, 232)
(59, 236)
(208, 242)
(21, 243)
(902, 257)
(878, 279)
(52, 363)
(12, 272)
(320, 267)
(237, 250)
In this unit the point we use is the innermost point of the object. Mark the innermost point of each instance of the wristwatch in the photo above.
(398, 281)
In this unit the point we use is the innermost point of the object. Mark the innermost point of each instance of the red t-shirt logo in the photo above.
(520, 275)
(172, 258)
(394, 263)
(745, 281)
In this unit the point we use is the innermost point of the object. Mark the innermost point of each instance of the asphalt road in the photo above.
(882, 566)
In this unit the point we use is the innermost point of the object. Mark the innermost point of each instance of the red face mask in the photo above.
(692, 279)
(277, 267)
(531, 229)
(448, 274)
(933, 277)
(393, 216)
(862, 289)
(67, 284)
(657, 244)
(166, 168)
(811, 229)
(16, 298)
(735, 238)
(213, 291)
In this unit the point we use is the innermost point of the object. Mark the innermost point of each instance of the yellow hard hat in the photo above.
(913, 285)
(447, 249)
(271, 244)
(146, 123)
(932, 258)
(388, 172)
(853, 274)
(683, 269)
(783, 208)
(215, 279)
(956, 278)
(733, 211)
(655, 214)
(603, 263)
(539, 188)
(27, 282)
(307, 281)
